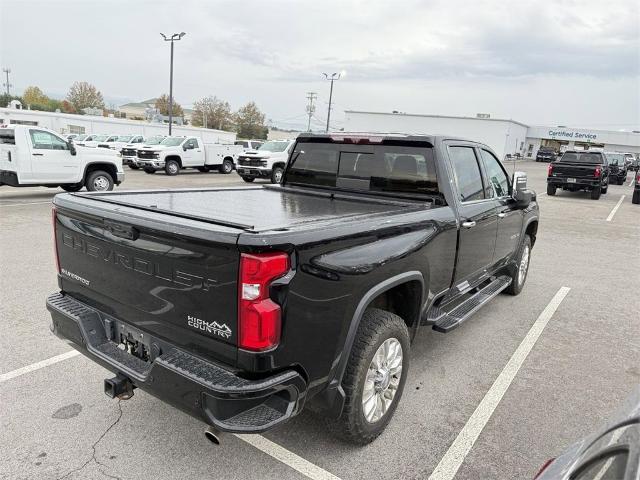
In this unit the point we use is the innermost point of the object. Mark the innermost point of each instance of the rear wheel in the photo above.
(172, 168)
(226, 167)
(520, 268)
(99, 181)
(375, 376)
(620, 180)
(595, 193)
(149, 170)
(248, 179)
(551, 189)
(604, 189)
(276, 174)
(636, 197)
(72, 188)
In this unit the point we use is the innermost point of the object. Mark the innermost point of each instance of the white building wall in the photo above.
(61, 122)
(613, 141)
(503, 136)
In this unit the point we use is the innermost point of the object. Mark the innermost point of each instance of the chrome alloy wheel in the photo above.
(382, 380)
(524, 265)
(278, 176)
(173, 168)
(100, 183)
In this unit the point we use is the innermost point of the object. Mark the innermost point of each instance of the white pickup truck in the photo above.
(268, 161)
(130, 150)
(35, 156)
(176, 153)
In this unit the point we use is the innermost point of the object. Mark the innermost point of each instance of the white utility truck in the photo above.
(130, 150)
(36, 156)
(176, 153)
(268, 161)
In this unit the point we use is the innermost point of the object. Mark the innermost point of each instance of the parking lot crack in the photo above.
(94, 448)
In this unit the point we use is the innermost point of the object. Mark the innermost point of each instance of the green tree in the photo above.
(249, 122)
(34, 96)
(84, 95)
(162, 104)
(211, 112)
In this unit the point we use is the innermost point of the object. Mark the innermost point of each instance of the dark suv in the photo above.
(546, 154)
(617, 167)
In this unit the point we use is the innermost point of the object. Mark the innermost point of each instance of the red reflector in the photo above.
(55, 238)
(597, 172)
(259, 317)
(544, 467)
(549, 169)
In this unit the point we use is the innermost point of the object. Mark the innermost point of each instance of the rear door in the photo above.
(51, 159)
(509, 217)
(478, 217)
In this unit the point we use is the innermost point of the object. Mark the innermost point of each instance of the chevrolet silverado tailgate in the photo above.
(171, 279)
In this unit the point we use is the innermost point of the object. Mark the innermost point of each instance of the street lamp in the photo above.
(173, 38)
(332, 78)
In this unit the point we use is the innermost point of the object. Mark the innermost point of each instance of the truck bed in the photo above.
(255, 209)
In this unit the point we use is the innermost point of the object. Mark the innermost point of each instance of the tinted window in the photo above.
(467, 173)
(47, 141)
(391, 169)
(579, 157)
(498, 181)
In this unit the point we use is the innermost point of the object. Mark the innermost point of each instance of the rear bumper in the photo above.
(216, 395)
(579, 182)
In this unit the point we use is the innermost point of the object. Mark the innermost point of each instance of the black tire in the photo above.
(134, 167)
(276, 174)
(636, 197)
(604, 189)
(203, 169)
(517, 281)
(620, 180)
(248, 179)
(99, 181)
(376, 327)
(226, 167)
(172, 168)
(595, 193)
(72, 188)
(150, 171)
(551, 190)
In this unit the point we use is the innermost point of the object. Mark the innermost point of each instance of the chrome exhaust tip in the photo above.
(213, 435)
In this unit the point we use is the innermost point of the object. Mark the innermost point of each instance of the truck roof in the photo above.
(378, 137)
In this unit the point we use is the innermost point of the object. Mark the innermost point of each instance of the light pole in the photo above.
(7, 71)
(332, 78)
(173, 38)
(311, 108)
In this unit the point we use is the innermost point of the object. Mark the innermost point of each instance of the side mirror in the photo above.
(72, 147)
(520, 194)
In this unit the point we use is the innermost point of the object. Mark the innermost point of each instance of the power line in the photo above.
(8, 85)
(311, 108)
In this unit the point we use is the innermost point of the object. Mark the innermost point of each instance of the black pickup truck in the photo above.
(618, 167)
(241, 305)
(579, 170)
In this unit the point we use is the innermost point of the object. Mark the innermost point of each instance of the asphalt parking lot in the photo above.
(57, 423)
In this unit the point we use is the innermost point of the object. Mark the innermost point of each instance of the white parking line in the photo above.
(263, 444)
(461, 446)
(21, 204)
(290, 459)
(615, 209)
(38, 365)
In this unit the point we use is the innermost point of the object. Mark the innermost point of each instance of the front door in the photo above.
(51, 159)
(509, 217)
(192, 156)
(478, 218)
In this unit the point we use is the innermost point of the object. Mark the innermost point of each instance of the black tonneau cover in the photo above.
(254, 209)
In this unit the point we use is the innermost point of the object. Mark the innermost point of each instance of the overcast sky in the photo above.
(561, 62)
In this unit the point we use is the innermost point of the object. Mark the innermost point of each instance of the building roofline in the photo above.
(439, 116)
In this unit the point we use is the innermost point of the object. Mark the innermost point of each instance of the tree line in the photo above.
(209, 112)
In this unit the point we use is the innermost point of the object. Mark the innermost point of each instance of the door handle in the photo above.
(468, 224)
(37, 154)
(502, 215)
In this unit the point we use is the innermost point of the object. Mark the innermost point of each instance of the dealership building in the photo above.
(505, 137)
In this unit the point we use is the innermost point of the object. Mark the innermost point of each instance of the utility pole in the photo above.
(311, 108)
(174, 38)
(7, 71)
(332, 78)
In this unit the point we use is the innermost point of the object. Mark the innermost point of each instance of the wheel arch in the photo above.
(110, 168)
(177, 158)
(531, 229)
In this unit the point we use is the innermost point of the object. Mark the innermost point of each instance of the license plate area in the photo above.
(133, 341)
(571, 180)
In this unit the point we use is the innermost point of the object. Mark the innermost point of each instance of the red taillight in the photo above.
(55, 238)
(549, 170)
(259, 321)
(544, 467)
(597, 172)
